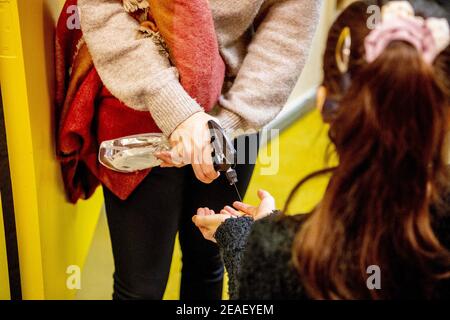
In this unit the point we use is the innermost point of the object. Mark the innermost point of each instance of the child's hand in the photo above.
(208, 222)
(265, 208)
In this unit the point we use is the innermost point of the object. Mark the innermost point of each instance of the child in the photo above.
(387, 99)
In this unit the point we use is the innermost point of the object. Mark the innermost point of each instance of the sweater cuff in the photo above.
(233, 233)
(230, 120)
(170, 106)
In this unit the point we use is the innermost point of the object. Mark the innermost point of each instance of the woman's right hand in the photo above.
(191, 144)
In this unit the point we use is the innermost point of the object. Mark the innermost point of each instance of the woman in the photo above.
(386, 204)
(264, 45)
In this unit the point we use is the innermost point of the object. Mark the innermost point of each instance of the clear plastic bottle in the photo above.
(133, 153)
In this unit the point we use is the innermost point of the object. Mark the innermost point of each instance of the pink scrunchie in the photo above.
(413, 30)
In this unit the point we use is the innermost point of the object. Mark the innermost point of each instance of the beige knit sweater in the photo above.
(265, 45)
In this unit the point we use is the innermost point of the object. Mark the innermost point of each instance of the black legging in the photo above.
(144, 226)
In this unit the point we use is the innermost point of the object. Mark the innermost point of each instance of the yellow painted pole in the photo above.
(53, 235)
(20, 149)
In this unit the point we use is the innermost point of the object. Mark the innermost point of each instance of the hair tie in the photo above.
(399, 23)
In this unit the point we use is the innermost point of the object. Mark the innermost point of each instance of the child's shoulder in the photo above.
(279, 223)
(276, 232)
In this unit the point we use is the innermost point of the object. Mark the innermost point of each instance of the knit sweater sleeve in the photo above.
(257, 256)
(275, 59)
(133, 69)
(231, 237)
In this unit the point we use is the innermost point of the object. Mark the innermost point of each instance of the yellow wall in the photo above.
(52, 234)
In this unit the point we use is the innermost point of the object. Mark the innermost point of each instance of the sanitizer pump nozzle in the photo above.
(223, 154)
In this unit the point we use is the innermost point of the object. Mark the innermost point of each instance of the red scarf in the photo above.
(86, 113)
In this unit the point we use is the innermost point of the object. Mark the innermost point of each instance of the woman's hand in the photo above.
(191, 144)
(208, 222)
(265, 208)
